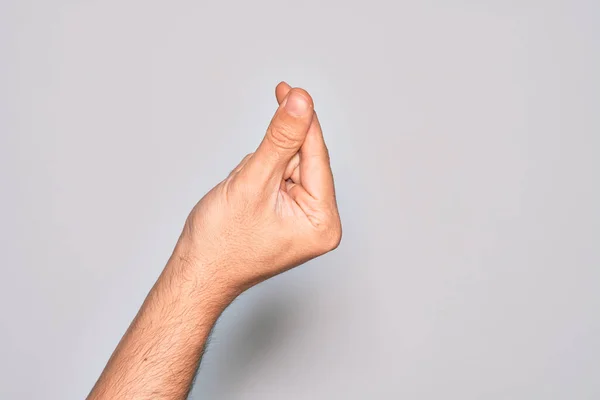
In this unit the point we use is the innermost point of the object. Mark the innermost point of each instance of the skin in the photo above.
(274, 211)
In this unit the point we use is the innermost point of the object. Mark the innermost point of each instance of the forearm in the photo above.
(159, 354)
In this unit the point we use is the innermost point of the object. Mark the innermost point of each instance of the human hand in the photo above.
(275, 210)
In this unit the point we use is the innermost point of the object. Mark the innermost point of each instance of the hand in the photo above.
(274, 211)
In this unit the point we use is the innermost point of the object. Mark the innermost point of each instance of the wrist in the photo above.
(201, 275)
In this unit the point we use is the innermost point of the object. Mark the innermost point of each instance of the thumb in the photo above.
(285, 134)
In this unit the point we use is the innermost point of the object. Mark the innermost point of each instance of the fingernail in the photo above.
(297, 104)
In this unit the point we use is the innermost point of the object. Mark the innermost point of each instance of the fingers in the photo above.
(293, 169)
(314, 168)
(281, 90)
(285, 135)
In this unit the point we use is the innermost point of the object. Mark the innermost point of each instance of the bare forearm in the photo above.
(159, 354)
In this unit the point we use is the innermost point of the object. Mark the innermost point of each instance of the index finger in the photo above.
(315, 168)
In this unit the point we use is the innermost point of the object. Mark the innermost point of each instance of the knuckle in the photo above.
(283, 136)
(241, 165)
(335, 237)
(330, 234)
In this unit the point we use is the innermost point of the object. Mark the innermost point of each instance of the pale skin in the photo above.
(274, 211)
